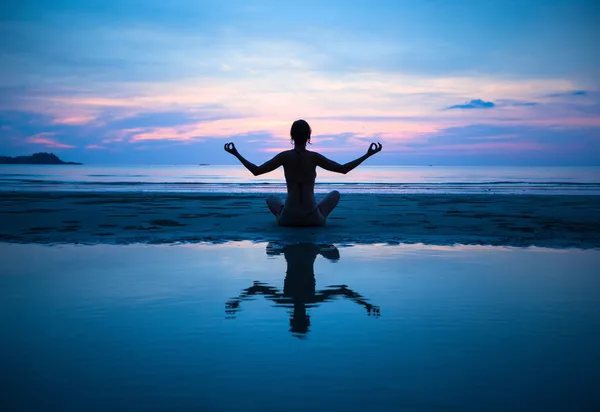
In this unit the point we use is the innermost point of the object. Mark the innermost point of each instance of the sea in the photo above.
(364, 179)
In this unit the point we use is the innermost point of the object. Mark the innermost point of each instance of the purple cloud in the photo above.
(569, 94)
(473, 104)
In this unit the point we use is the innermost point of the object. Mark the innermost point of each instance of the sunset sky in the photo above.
(437, 82)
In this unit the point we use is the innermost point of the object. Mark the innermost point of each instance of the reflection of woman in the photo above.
(299, 164)
(299, 285)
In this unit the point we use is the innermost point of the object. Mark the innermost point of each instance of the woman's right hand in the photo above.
(374, 148)
(230, 148)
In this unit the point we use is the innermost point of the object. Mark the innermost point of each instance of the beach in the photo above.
(557, 221)
(136, 289)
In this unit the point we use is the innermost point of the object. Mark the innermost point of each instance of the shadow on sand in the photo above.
(299, 291)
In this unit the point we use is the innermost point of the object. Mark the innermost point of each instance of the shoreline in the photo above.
(560, 221)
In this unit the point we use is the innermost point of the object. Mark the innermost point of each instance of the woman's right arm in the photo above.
(333, 166)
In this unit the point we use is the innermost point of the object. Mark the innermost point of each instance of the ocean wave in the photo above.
(320, 183)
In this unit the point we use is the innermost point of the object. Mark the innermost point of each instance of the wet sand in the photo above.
(123, 218)
(253, 327)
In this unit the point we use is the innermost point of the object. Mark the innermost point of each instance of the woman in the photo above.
(299, 165)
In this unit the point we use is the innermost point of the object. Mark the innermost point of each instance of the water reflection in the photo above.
(299, 291)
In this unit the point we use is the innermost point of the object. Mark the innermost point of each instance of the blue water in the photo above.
(266, 327)
(365, 179)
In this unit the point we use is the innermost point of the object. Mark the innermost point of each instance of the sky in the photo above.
(480, 82)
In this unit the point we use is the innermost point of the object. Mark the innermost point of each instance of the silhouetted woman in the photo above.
(299, 165)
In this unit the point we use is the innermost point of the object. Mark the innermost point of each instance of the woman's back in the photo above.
(300, 166)
(300, 171)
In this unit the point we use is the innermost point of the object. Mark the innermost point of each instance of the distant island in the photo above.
(35, 159)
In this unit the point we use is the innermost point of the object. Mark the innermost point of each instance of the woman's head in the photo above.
(300, 132)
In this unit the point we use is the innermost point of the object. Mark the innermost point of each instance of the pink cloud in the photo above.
(319, 149)
(395, 109)
(493, 146)
(567, 122)
(163, 133)
(94, 101)
(44, 139)
(278, 129)
(73, 120)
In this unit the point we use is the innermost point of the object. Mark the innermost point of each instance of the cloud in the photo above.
(73, 120)
(482, 104)
(569, 93)
(515, 103)
(171, 118)
(46, 140)
(473, 104)
(561, 145)
(143, 80)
